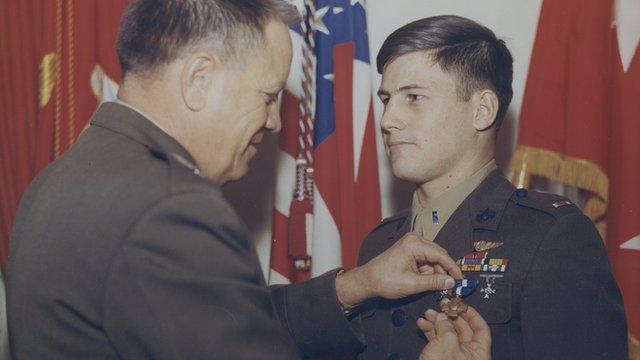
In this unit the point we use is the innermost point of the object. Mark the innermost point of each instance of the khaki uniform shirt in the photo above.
(429, 218)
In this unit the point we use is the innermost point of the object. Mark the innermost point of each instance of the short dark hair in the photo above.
(471, 51)
(154, 32)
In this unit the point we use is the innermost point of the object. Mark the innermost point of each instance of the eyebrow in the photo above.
(404, 88)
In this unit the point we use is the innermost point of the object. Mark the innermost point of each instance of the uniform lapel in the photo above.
(402, 229)
(457, 234)
(482, 209)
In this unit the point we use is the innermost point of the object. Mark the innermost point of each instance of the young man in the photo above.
(545, 286)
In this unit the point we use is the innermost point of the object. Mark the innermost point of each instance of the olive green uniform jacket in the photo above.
(557, 298)
(121, 250)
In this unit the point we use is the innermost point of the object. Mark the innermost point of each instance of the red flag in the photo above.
(579, 125)
(564, 121)
(623, 216)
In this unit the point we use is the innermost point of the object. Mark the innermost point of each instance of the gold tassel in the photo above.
(47, 79)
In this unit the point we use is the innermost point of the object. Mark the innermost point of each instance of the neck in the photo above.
(141, 94)
(154, 98)
(434, 188)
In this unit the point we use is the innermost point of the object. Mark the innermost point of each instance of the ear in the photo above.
(487, 104)
(196, 79)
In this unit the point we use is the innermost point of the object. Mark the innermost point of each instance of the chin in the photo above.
(238, 174)
(404, 174)
(409, 172)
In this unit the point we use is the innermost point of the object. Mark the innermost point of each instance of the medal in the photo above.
(453, 307)
(479, 261)
(488, 289)
(464, 287)
(476, 261)
(559, 204)
(486, 245)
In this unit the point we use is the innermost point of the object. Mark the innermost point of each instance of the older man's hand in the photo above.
(412, 265)
(467, 337)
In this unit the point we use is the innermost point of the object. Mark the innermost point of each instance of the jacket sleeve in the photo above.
(186, 284)
(310, 310)
(571, 306)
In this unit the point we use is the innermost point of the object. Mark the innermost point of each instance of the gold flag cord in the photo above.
(51, 78)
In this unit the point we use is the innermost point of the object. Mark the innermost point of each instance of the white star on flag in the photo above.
(632, 244)
(318, 24)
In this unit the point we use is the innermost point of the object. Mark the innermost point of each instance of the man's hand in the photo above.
(412, 265)
(466, 338)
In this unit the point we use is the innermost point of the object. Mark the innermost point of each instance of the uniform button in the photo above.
(522, 193)
(398, 318)
(395, 356)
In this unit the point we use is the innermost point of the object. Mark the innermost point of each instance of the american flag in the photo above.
(327, 195)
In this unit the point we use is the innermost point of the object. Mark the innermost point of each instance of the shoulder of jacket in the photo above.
(397, 219)
(551, 204)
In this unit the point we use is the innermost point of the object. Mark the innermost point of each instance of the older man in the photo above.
(125, 248)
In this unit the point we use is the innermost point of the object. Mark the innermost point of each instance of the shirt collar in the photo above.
(429, 218)
(124, 103)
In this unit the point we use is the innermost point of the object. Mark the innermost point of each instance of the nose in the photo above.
(391, 119)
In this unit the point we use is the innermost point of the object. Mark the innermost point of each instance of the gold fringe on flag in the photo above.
(568, 170)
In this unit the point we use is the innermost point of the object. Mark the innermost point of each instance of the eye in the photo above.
(415, 97)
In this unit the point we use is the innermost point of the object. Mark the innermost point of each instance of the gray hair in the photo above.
(156, 32)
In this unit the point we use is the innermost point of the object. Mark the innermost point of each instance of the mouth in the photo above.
(256, 139)
(393, 143)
